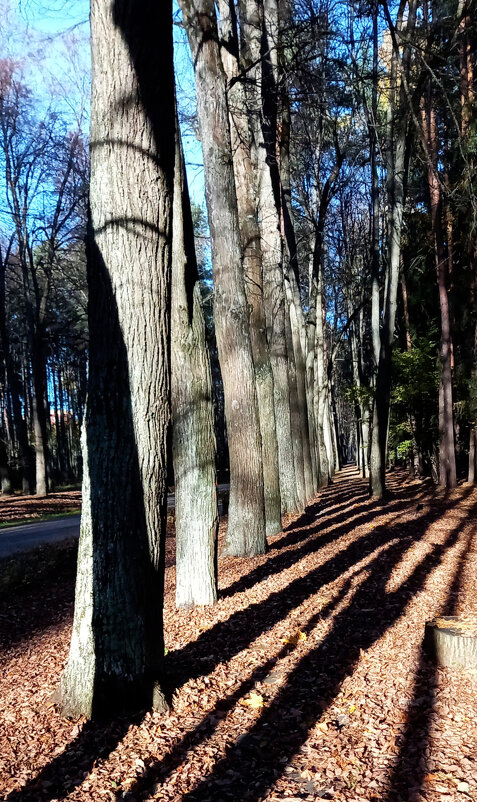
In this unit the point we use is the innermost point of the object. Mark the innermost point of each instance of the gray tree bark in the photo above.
(193, 438)
(117, 649)
(264, 149)
(246, 521)
(252, 262)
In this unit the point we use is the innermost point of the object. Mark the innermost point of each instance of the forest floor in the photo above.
(16, 509)
(306, 681)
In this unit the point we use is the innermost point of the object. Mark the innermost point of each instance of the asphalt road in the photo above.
(27, 536)
(14, 539)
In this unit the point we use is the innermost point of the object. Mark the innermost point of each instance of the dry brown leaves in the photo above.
(306, 681)
(21, 508)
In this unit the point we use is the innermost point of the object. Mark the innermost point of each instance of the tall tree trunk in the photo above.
(310, 384)
(193, 438)
(246, 521)
(320, 380)
(447, 466)
(252, 264)
(63, 411)
(13, 385)
(417, 466)
(297, 328)
(296, 429)
(262, 107)
(39, 419)
(397, 124)
(297, 321)
(116, 652)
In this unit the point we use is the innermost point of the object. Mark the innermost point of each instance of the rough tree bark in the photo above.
(240, 130)
(116, 652)
(246, 521)
(259, 96)
(193, 438)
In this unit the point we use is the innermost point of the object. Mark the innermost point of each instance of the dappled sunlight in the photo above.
(302, 675)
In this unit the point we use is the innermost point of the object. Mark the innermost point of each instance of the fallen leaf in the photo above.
(293, 640)
(464, 787)
(255, 701)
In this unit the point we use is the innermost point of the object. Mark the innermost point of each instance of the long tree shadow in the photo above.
(244, 626)
(237, 632)
(314, 541)
(411, 766)
(210, 721)
(313, 685)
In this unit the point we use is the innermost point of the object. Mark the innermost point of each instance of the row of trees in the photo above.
(43, 337)
(338, 145)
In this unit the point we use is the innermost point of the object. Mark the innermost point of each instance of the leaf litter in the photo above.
(306, 681)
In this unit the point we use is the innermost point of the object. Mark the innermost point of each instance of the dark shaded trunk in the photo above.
(13, 389)
(117, 649)
(447, 466)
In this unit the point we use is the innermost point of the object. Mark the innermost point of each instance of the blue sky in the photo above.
(51, 40)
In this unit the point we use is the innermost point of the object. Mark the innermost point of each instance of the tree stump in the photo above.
(452, 641)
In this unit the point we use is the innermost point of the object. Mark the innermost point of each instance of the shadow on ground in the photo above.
(284, 725)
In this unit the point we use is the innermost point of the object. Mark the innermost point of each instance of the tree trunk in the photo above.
(39, 435)
(297, 440)
(246, 521)
(310, 384)
(297, 326)
(262, 107)
(447, 466)
(320, 382)
(5, 477)
(252, 264)
(116, 652)
(193, 438)
(472, 471)
(397, 124)
(13, 388)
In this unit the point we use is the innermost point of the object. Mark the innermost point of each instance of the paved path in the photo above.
(27, 536)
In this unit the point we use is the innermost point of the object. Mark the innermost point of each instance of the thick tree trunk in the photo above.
(116, 652)
(310, 384)
(252, 264)
(246, 521)
(297, 322)
(193, 438)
